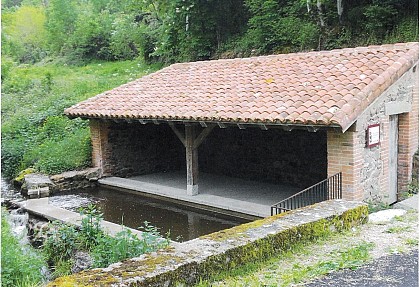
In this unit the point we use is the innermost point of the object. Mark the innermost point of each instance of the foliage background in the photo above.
(58, 52)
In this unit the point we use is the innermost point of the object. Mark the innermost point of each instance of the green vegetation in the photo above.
(34, 131)
(398, 229)
(189, 30)
(375, 206)
(249, 274)
(54, 53)
(308, 260)
(412, 241)
(20, 263)
(64, 240)
(350, 258)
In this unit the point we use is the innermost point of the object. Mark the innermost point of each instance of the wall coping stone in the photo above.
(187, 262)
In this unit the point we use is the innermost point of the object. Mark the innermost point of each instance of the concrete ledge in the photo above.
(204, 200)
(187, 262)
(409, 203)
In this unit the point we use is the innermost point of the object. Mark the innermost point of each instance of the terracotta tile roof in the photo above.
(315, 88)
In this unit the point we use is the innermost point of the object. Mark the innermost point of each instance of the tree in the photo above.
(24, 34)
(61, 23)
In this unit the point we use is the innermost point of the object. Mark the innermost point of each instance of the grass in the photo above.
(398, 229)
(308, 260)
(374, 206)
(412, 241)
(35, 133)
(346, 259)
(269, 274)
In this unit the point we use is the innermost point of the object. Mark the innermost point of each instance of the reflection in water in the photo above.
(182, 222)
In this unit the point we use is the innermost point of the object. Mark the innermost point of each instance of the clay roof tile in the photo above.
(292, 88)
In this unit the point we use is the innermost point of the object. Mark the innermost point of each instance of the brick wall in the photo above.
(345, 155)
(408, 138)
(366, 170)
(101, 151)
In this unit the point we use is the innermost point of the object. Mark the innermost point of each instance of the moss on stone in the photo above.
(239, 231)
(21, 175)
(241, 244)
(89, 278)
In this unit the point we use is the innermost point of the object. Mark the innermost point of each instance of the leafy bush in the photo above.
(61, 242)
(380, 18)
(7, 65)
(125, 244)
(34, 131)
(55, 156)
(406, 31)
(20, 264)
(64, 240)
(90, 232)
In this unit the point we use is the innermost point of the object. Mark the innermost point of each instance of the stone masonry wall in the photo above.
(296, 157)
(143, 149)
(366, 170)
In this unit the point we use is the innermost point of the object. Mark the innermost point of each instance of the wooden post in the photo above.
(192, 160)
(191, 143)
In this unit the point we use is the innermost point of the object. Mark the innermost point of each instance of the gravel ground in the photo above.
(397, 236)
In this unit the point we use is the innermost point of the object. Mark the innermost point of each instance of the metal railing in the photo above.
(330, 188)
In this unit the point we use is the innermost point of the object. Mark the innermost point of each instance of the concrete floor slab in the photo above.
(222, 192)
(409, 203)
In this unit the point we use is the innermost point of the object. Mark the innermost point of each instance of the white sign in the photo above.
(373, 135)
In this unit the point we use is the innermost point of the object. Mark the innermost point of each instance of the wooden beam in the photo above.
(204, 133)
(178, 133)
(288, 128)
(263, 127)
(192, 161)
(312, 129)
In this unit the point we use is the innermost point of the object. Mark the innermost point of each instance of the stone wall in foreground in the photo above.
(187, 262)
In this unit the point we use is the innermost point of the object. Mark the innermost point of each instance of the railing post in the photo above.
(330, 188)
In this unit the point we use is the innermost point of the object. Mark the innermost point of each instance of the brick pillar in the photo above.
(100, 146)
(408, 139)
(345, 155)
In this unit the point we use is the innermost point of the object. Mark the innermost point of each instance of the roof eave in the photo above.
(220, 123)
